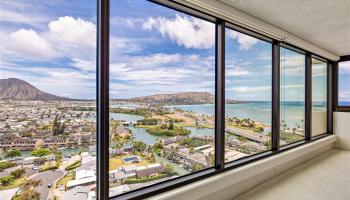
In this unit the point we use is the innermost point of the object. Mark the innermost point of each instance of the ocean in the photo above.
(292, 113)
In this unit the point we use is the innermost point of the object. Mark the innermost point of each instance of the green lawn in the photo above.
(14, 184)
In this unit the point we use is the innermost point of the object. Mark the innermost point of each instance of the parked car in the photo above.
(49, 185)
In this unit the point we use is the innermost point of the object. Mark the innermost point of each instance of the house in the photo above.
(81, 182)
(149, 170)
(77, 193)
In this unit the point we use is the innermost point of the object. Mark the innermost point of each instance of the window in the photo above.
(164, 77)
(344, 84)
(248, 85)
(319, 97)
(292, 96)
(47, 99)
(162, 87)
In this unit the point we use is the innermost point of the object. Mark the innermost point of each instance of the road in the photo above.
(250, 135)
(46, 178)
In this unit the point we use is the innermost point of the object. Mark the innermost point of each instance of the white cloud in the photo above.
(84, 64)
(28, 42)
(344, 67)
(245, 41)
(237, 71)
(73, 31)
(250, 89)
(344, 96)
(66, 37)
(185, 31)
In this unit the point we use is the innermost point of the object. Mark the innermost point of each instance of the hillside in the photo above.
(179, 98)
(17, 89)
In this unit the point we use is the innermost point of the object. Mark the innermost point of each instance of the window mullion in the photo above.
(102, 99)
(276, 75)
(308, 96)
(220, 96)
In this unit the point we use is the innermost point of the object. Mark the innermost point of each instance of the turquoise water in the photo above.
(126, 117)
(73, 151)
(142, 135)
(291, 113)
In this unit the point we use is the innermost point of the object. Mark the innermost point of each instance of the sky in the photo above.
(153, 49)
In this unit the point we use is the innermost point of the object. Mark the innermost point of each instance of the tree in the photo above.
(169, 170)
(57, 127)
(6, 180)
(28, 191)
(13, 153)
(40, 152)
(5, 165)
(18, 173)
(171, 125)
(139, 146)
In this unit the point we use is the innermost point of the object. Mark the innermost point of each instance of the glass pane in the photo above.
(319, 97)
(248, 95)
(344, 83)
(162, 87)
(292, 96)
(47, 99)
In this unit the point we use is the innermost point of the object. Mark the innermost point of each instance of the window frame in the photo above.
(337, 107)
(103, 15)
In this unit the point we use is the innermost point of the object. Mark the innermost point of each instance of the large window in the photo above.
(168, 75)
(292, 124)
(248, 82)
(47, 99)
(344, 84)
(162, 87)
(319, 97)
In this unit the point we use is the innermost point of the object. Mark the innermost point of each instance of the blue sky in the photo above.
(51, 44)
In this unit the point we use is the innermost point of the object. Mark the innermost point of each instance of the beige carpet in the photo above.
(326, 177)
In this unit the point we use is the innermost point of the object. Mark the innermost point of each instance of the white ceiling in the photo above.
(325, 23)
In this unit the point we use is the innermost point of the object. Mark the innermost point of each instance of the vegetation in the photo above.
(64, 180)
(193, 142)
(168, 130)
(13, 153)
(290, 137)
(58, 127)
(6, 180)
(144, 179)
(147, 122)
(40, 152)
(18, 173)
(48, 167)
(139, 146)
(140, 111)
(73, 166)
(157, 148)
(6, 164)
(28, 191)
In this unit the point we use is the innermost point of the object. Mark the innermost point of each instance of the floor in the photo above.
(326, 177)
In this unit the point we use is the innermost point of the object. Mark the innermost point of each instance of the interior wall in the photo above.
(342, 129)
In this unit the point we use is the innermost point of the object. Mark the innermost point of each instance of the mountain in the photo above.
(17, 89)
(179, 98)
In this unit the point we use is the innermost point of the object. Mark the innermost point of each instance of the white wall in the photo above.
(342, 129)
(319, 122)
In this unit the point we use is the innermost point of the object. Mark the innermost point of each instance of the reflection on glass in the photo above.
(248, 95)
(292, 96)
(344, 84)
(319, 97)
(162, 85)
(47, 100)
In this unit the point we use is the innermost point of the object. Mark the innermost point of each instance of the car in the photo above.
(49, 185)
(36, 167)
